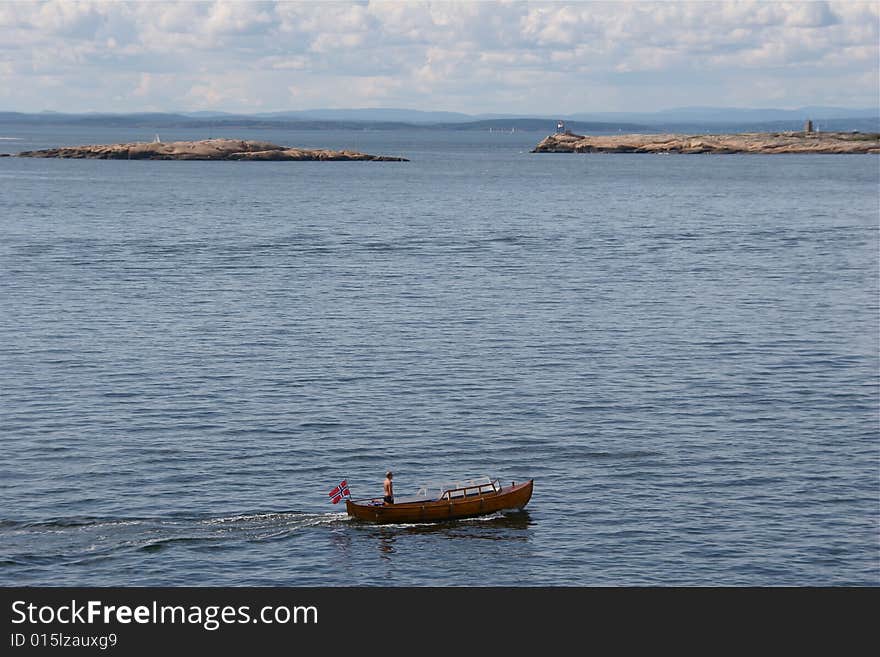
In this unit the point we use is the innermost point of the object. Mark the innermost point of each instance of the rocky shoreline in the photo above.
(208, 149)
(775, 142)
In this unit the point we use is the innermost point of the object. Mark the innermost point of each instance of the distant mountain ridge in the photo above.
(373, 114)
(684, 119)
(689, 114)
(733, 114)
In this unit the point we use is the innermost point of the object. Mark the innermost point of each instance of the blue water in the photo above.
(682, 351)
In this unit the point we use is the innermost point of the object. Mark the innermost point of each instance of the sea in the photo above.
(681, 351)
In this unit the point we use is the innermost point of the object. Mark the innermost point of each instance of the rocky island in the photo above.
(208, 149)
(774, 142)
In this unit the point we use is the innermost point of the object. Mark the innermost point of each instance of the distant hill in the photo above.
(728, 115)
(200, 120)
(384, 115)
(544, 125)
(688, 119)
(733, 115)
(296, 121)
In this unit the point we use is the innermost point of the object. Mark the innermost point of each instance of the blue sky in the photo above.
(472, 57)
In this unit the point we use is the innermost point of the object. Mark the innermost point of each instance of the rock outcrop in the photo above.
(773, 142)
(209, 149)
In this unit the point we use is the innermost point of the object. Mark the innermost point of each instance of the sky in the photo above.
(472, 57)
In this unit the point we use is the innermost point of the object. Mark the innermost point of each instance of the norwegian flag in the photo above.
(339, 492)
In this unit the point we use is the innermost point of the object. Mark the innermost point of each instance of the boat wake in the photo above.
(80, 539)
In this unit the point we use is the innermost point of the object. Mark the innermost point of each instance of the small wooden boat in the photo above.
(441, 502)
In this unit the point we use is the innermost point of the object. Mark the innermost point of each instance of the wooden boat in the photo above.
(441, 502)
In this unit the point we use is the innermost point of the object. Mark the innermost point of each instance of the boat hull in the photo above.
(513, 497)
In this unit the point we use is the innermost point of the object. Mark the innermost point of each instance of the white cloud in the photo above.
(467, 56)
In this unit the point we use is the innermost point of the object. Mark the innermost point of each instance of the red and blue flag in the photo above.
(340, 492)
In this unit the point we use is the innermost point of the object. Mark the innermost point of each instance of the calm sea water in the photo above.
(682, 351)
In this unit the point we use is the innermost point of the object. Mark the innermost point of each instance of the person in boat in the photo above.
(388, 487)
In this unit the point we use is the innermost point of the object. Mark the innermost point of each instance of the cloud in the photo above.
(466, 56)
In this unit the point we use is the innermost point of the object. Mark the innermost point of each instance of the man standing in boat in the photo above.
(388, 486)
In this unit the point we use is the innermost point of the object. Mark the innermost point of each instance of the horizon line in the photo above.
(541, 114)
